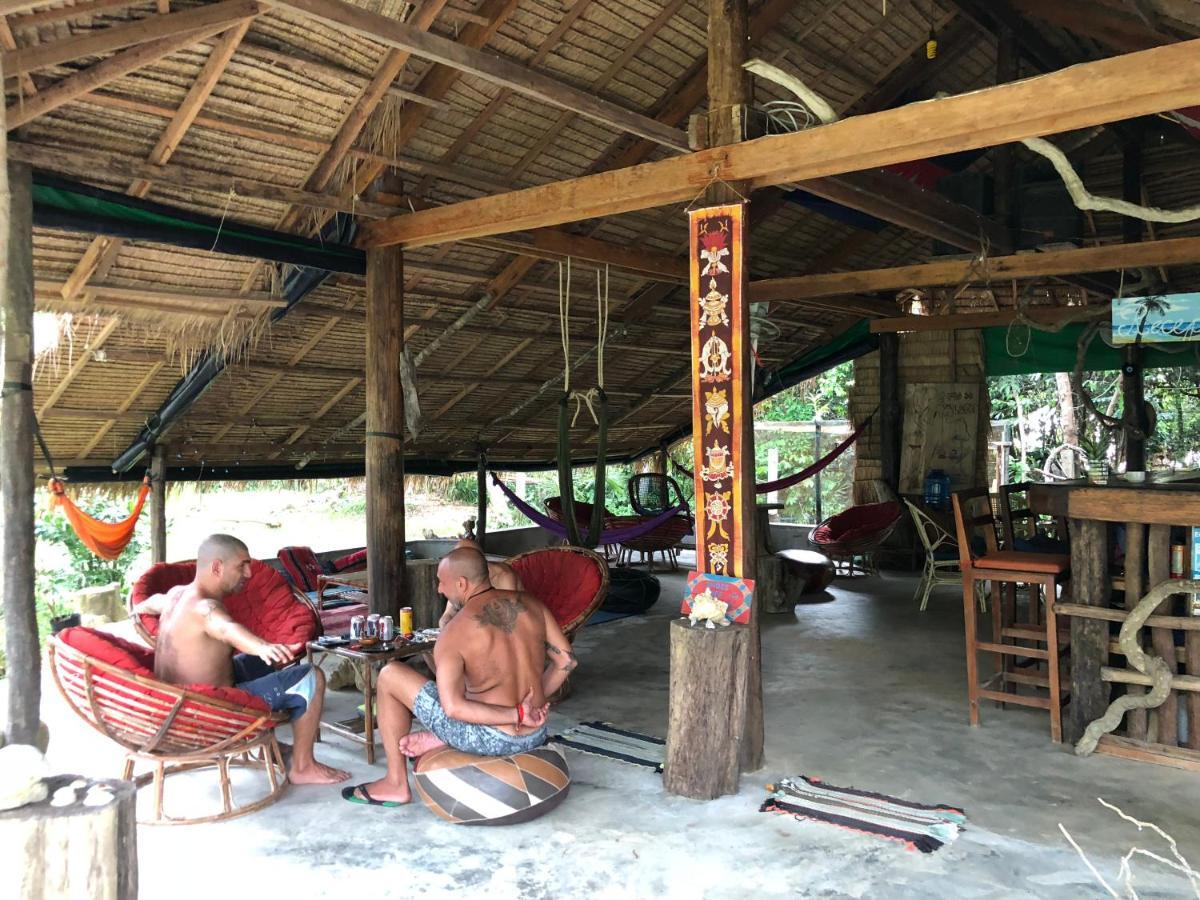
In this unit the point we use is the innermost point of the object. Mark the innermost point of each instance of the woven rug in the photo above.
(603, 739)
(917, 826)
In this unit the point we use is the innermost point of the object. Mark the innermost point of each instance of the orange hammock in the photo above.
(106, 539)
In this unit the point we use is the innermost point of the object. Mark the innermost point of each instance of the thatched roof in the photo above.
(264, 120)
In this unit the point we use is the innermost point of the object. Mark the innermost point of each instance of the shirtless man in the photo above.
(502, 575)
(196, 643)
(492, 679)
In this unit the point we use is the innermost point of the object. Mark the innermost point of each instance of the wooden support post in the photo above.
(1132, 386)
(1004, 157)
(1089, 637)
(707, 709)
(1135, 587)
(482, 501)
(385, 430)
(16, 457)
(890, 426)
(1158, 557)
(87, 848)
(158, 504)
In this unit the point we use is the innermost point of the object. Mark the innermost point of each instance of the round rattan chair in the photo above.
(852, 537)
(652, 494)
(171, 728)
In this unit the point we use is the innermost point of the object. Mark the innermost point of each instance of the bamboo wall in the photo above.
(951, 357)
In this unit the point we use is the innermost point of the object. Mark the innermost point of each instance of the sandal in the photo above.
(352, 794)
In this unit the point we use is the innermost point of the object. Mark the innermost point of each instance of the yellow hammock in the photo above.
(107, 540)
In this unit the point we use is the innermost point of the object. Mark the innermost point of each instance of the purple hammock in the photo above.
(803, 474)
(611, 536)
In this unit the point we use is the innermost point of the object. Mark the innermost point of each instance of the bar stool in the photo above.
(1040, 572)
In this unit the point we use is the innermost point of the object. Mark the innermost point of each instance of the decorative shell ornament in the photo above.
(22, 769)
(708, 609)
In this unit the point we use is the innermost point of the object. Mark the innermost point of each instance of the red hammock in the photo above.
(803, 474)
(107, 540)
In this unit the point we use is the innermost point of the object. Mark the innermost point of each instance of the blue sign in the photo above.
(1196, 552)
(1160, 319)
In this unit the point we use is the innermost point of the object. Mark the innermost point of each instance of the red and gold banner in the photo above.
(719, 396)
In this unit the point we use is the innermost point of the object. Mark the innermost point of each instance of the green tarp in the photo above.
(1055, 352)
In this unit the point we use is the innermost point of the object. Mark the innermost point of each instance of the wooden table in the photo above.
(1148, 511)
(362, 728)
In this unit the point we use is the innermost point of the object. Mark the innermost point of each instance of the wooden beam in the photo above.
(84, 164)
(554, 244)
(52, 16)
(147, 379)
(117, 37)
(1042, 315)
(1173, 252)
(259, 301)
(102, 73)
(89, 351)
(1085, 95)
(1119, 30)
(490, 67)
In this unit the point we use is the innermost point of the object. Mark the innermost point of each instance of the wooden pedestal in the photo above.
(67, 852)
(708, 709)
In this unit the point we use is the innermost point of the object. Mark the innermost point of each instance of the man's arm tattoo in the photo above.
(569, 663)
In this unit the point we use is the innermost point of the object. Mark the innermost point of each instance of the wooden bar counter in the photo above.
(1148, 511)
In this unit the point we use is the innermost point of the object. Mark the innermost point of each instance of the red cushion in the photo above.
(301, 566)
(1016, 561)
(265, 605)
(138, 660)
(357, 558)
(857, 523)
(565, 581)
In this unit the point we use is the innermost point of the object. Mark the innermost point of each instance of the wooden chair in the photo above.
(171, 728)
(1022, 528)
(941, 556)
(1042, 573)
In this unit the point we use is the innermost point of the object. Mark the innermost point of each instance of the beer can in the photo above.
(358, 627)
(373, 625)
(387, 628)
(406, 626)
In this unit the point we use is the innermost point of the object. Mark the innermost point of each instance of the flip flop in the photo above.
(351, 794)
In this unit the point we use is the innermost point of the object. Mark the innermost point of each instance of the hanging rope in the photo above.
(591, 399)
(107, 540)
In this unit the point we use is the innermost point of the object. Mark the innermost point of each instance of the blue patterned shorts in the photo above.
(482, 739)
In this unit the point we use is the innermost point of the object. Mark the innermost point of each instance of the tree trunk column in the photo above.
(158, 505)
(16, 457)
(385, 429)
(481, 508)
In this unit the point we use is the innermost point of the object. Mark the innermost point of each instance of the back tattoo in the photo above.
(502, 613)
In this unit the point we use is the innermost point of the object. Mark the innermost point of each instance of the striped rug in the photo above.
(917, 826)
(603, 739)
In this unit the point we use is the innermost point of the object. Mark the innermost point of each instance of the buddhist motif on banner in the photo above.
(717, 278)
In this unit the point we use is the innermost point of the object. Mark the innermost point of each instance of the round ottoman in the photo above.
(492, 790)
(811, 570)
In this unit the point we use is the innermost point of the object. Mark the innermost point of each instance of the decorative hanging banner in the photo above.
(718, 397)
(1152, 320)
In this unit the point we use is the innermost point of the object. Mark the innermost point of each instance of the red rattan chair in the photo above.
(652, 494)
(171, 728)
(267, 605)
(571, 581)
(853, 536)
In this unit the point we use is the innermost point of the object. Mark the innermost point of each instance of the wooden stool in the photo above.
(1040, 572)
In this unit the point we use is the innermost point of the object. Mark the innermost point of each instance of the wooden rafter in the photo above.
(8, 42)
(117, 37)
(95, 342)
(45, 287)
(1174, 252)
(123, 409)
(1085, 95)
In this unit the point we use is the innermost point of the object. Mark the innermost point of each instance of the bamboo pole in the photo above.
(158, 505)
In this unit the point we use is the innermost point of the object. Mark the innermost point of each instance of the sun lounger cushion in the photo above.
(301, 566)
(492, 790)
(138, 660)
(265, 605)
(350, 560)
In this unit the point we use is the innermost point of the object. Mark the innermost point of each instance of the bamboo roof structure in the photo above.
(264, 115)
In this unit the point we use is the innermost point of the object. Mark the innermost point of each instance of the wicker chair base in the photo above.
(262, 753)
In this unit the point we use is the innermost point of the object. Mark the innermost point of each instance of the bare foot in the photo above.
(316, 773)
(418, 743)
(387, 791)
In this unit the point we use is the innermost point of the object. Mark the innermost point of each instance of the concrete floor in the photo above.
(862, 690)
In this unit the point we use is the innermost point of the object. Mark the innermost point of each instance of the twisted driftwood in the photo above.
(1153, 666)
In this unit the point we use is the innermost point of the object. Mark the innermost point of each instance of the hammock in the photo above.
(611, 536)
(107, 540)
(803, 474)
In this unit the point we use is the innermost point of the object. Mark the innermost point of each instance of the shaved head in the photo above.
(466, 562)
(223, 547)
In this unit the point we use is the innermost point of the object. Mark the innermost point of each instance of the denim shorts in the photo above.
(482, 739)
(286, 690)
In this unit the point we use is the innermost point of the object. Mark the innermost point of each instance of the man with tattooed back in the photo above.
(497, 660)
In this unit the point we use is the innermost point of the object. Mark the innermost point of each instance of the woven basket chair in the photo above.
(171, 728)
(852, 537)
(650, 495)
(571, 581)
